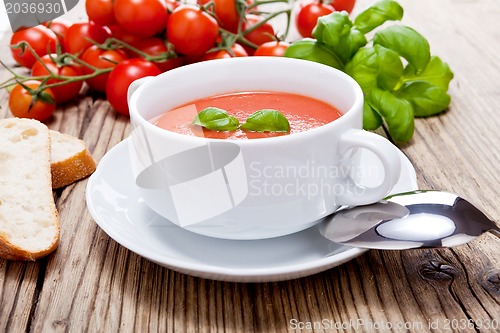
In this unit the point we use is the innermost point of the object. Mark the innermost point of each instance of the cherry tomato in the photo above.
(308, 15)
(237, 51)
(59, 27)
(143, 18)
(273, 49)
(21, 102)
(226, 13)
(100, 11)
(41, 39)
(122, 76)
(346, 5)
(62, 93)
(156, 46)
(100, 58)
(79, 36)
(260, 35)
(191, 30)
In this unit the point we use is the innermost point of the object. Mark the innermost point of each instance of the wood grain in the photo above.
(93, 284)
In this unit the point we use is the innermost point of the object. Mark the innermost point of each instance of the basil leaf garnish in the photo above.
(216, 119)
(266, 120)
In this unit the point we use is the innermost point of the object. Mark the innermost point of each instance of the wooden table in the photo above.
(91, 283)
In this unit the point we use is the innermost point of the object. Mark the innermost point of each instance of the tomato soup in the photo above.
(303, 113)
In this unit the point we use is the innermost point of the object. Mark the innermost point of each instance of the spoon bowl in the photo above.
(417, 219)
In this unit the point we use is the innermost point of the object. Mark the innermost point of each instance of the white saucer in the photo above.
(115, 204)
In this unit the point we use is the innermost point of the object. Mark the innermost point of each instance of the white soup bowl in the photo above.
(256, 188)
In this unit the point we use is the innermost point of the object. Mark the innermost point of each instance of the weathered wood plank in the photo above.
(92, 283)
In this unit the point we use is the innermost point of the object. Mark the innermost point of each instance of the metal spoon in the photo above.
(419, 219)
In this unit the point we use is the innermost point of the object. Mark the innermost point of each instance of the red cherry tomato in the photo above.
(143, 18)
(237, 51)
(79, 36)
(346, 5)
(59, 27)
(21, 102)
(260, 35)
(100, 11)
(273, 49)
(62, 93)
(191, 30)
(156, 46)
(308, 15)
(41, 40)
(226, 13)
(100, 58)
(122, 76)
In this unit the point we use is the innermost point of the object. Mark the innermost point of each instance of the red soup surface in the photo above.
(303, 113)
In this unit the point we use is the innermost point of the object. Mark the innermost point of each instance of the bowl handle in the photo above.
(355, 194)
(135, 85)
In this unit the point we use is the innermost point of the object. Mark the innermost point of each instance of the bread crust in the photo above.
(72, 169)
(10, 251)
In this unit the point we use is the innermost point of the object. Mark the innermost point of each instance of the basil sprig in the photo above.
(395, 91)
(265, 120)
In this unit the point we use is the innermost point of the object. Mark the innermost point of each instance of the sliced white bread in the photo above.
(29, 222)
(70, 159)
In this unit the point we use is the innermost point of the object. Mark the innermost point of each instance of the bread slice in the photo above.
(70, 159)
(29, 222)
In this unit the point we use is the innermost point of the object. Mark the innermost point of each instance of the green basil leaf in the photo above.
(408, 43)
(266, 120)
(216, 119)
(354, 41)
(390, 68)
(437, 72)
(378, 14)
(336, 30)
(312, 50)
(375, 67)
(371, 119)
(427, 99)
(331, 28)
(364, 68)
(396, 111)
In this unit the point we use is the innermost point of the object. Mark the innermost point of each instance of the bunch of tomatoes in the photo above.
(124, 40)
